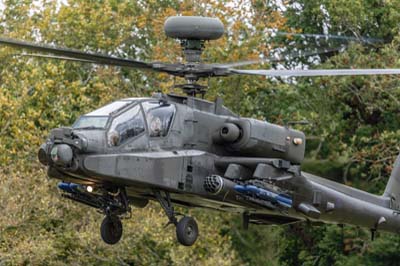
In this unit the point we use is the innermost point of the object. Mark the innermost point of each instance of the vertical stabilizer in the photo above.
(393, 186)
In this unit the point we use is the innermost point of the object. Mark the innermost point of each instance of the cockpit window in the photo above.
(98, 119)
(109, 108)
(91, 122)
(159, 117)
(126, 126)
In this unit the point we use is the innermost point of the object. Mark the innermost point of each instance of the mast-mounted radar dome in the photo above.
(192, 33)
(193, 28)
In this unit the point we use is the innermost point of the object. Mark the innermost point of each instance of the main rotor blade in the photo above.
(76, 54)
(280, 58)
(317, 72)
(331, 36)
(56, 57)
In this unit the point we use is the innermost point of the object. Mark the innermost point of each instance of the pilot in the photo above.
(113, 138)
(155, 125)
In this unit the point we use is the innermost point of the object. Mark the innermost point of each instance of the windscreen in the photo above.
(98, 118)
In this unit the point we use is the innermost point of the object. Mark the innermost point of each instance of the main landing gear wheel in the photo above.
(111, 230)
(187, 231)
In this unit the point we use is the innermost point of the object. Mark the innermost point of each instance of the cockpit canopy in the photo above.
(98, 118)
(124, 120)
(126, 126)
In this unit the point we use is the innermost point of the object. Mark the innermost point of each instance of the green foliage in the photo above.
(258, 245)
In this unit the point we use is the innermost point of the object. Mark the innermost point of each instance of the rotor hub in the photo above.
(193, 89)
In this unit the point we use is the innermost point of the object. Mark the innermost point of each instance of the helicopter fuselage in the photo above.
(203, 155)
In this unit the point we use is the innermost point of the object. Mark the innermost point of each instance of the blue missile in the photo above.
(76, 187)
(70, 187)
(65, 187)
(264, 194)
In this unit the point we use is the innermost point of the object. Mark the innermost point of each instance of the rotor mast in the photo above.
(192, 51)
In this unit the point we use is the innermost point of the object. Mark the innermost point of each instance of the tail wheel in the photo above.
(111, 230)
(187, 231)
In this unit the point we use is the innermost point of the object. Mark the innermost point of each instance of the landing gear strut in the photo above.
(115, 207)
(111, 201)
(187, 230)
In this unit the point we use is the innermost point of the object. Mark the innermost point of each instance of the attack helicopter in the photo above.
(184, 150)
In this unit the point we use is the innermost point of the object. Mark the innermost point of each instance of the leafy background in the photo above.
(353, 135)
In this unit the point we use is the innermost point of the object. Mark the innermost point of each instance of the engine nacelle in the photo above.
(230, 133)
(254, 138)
